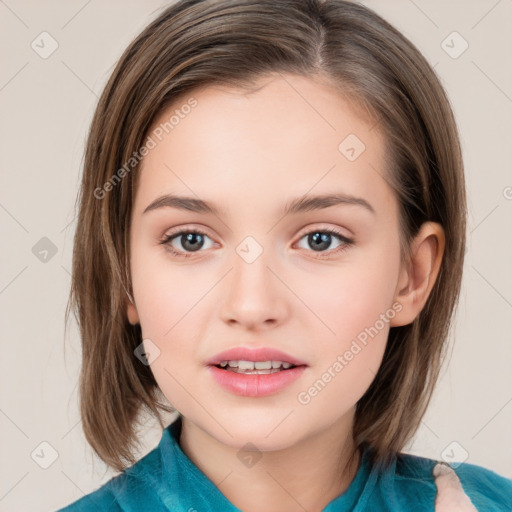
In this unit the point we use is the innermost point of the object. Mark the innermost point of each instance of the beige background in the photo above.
(46, 107)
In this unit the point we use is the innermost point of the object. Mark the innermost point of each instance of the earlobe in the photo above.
(131, 312)
(418, 277)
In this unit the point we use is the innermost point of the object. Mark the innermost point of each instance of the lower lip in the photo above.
(256, 385)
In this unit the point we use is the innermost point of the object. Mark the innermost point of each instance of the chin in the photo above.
(265, 435)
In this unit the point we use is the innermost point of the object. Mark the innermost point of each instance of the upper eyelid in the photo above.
(303, 231)
(185, 229)
(336, 230)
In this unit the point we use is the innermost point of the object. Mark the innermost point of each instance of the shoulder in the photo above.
(132, 488)
(101, 499)
(487, 490)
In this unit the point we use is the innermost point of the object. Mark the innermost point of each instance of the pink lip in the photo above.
(255, 385)
(259, 384)
(254, 354)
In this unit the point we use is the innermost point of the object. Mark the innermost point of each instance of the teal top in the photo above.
(167, 480)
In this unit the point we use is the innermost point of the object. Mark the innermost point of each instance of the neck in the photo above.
(305, 476)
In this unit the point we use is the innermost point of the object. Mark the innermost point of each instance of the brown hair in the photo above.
(197, 43)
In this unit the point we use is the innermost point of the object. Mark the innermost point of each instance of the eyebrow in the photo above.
(319, 202)
(298, 205)
(182, 203)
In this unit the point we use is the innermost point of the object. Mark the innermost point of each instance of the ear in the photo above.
(131, 312)
(418, 276)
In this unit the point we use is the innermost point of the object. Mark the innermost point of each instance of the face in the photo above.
(318, 284)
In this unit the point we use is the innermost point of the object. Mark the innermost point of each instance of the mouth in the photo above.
(255, 367)
(254, 361)
(255, 372)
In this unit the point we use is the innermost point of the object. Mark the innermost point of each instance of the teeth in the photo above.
(254, 372)
(255, 365)
(263, 365)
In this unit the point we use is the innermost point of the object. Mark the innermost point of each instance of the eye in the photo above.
(189, 240)
(186, 242)
(321, 239)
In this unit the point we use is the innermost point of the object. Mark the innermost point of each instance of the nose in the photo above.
(253, 296)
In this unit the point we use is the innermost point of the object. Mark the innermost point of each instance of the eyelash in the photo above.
(347, 242)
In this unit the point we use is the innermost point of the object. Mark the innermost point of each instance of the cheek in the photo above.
(168, 301)
(352, 297)
(170, 305)
(165, 291)
(347, 361)
(355, 302)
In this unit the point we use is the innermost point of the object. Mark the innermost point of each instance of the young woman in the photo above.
(270, 242)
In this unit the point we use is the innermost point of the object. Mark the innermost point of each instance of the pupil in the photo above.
(319, 241)
(191, 241)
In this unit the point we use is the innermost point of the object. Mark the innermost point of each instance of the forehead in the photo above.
(287, 135)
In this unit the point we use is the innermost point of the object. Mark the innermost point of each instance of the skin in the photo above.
(450, 494)
(251, 154)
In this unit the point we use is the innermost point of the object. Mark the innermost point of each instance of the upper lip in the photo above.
(254, 354)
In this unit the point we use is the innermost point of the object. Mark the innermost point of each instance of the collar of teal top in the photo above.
(187, 487)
